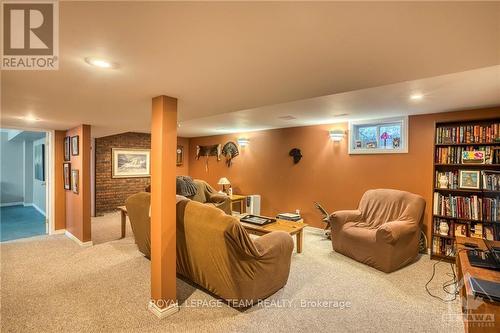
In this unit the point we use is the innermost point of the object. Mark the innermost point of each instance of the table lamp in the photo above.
(224, 181)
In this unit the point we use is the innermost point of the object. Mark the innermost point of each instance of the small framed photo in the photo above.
(473, 157)
(469, 179)
(179, 156)
(67, 176)
(67, 148)
(74, 145)
(75, 181)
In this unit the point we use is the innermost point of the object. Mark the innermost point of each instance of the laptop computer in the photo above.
(489, 290)
(485, 259)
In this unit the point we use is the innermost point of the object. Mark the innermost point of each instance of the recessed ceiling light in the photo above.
(101, 63)
(30, 118)
(416, 97)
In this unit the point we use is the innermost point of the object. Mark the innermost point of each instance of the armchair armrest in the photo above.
(217, 198)
(392, 232)
(275, 244)
(341, 217)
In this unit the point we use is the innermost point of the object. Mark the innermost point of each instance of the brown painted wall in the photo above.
(78, 205)
(112, 192)
(326, 173)
(59, 193)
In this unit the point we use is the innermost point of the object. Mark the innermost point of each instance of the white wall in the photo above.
(28, 172)
(11, 170)
(39, 187)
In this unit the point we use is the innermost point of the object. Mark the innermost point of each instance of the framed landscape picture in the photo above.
(67, 148)
(75, 182)
(74, 145)
(67, 176)
(127, 163)
(469, 179)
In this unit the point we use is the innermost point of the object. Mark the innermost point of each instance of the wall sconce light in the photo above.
(243, 142)
(337, 135)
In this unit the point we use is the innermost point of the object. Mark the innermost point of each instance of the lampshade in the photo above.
(337, 135)
(224, 181)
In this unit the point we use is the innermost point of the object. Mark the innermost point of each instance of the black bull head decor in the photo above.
(295, 153)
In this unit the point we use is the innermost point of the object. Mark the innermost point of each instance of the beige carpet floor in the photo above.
(51, 284)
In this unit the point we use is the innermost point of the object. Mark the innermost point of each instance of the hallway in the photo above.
(20, 222)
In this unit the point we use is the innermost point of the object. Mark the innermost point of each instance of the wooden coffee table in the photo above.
(293, 228)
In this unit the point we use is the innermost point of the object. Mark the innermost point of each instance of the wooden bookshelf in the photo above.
(478, 208)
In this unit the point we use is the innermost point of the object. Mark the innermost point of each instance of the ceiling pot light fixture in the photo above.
(416, 97)
(29, 118)
(101, 63)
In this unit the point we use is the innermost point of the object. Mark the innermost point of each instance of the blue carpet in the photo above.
(20, 222)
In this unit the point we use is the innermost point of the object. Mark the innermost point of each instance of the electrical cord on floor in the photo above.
(446, 284)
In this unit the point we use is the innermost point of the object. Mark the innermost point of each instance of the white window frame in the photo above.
(378, 122)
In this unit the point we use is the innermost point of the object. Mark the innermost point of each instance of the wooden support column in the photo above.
(163, 172)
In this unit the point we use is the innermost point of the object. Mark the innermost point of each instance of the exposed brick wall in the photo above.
(112, 192)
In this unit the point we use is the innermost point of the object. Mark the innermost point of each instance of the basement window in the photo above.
(379, 136)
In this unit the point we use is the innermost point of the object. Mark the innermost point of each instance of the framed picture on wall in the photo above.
(67, 148)
(74, 145)
(179, 159)
(39, 161)
(67, 176)
(75, 183)
(128, 163)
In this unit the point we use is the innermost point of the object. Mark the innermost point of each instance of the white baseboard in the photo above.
(73, 237)
(58, 232)
(38, 209)
(8, 204)
(163, 312)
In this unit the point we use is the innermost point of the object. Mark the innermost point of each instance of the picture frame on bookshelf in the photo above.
(469, 179)
(488, 233)
(460, 230)
(473, 157)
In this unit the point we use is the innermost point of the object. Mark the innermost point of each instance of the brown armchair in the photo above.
(383, 232)
(208, 195)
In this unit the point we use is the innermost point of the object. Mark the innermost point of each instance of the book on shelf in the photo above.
(491, 180)
(453, 154)
(443, 246)
(466, 207)
(476, 230)
(460, 230)
(468, 134)
(451, 177)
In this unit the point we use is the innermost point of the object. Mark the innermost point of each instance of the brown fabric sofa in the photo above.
(383, 232)
(215, 252)
(208, 195)
(138, 213)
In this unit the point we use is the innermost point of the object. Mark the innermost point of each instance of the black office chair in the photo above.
(326, 218)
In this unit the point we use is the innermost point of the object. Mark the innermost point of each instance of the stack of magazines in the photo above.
(289, 217)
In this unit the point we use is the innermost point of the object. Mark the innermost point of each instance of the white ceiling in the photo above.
(218, 58)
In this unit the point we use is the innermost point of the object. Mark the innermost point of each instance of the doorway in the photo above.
(24, 184)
